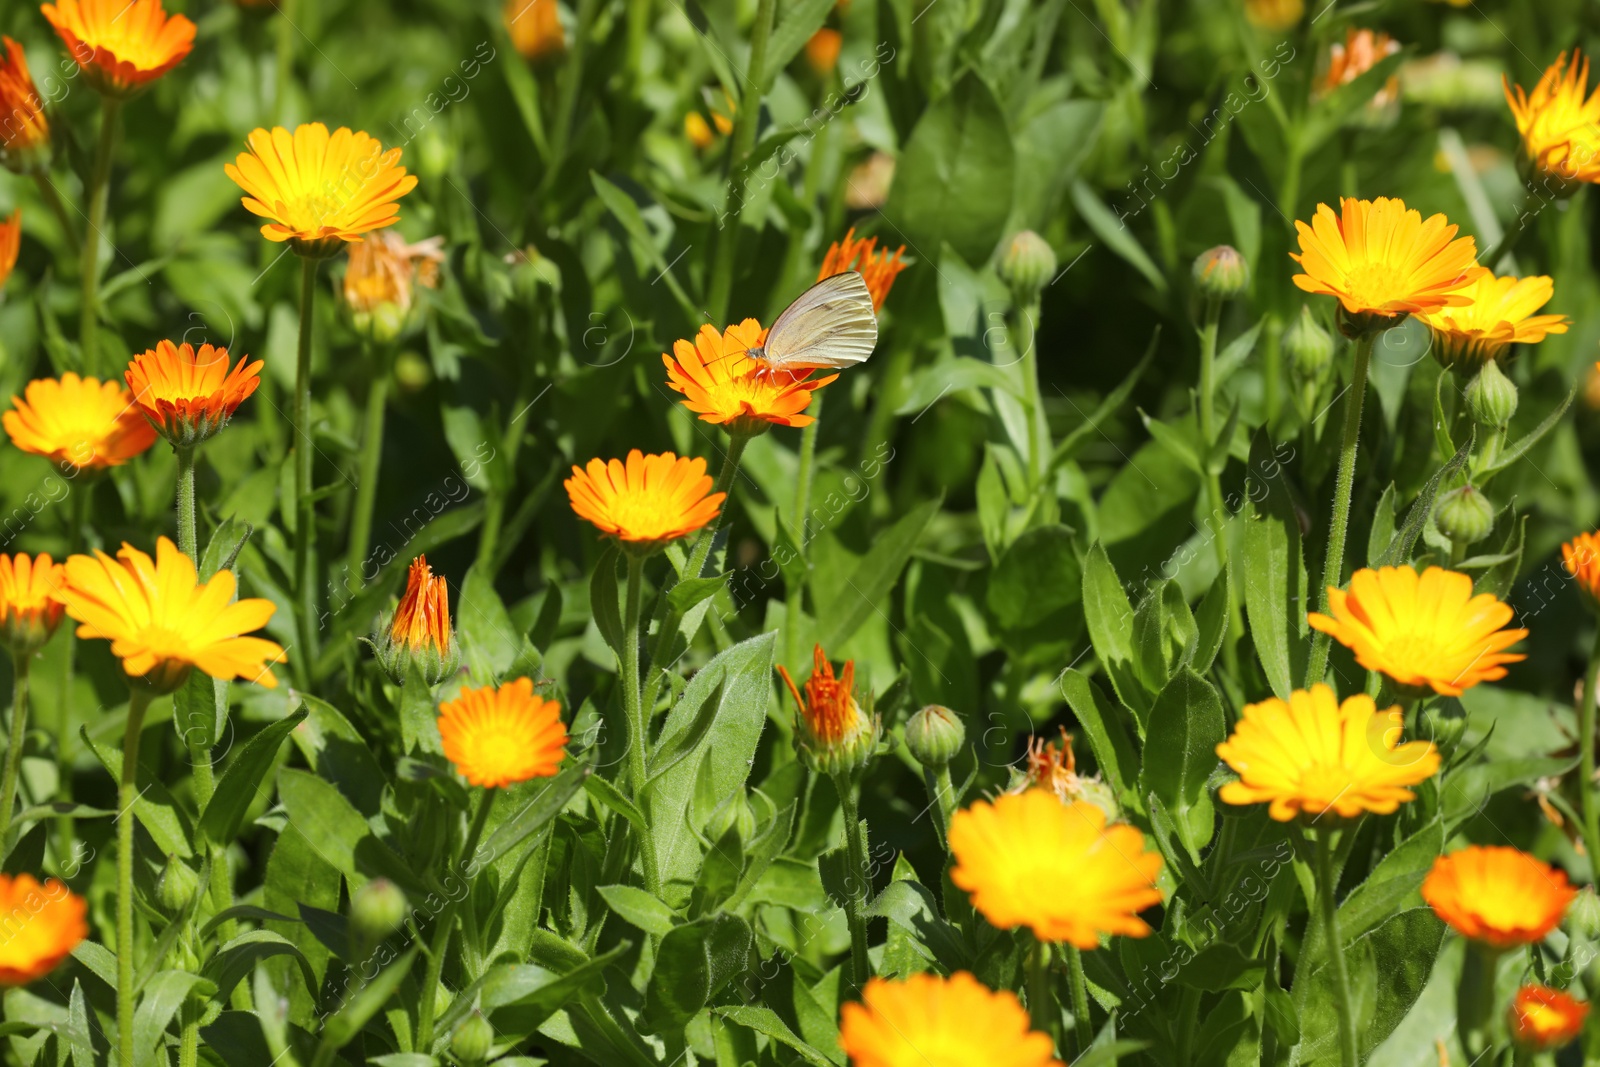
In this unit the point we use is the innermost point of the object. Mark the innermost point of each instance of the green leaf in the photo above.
(767, 1022)
(1108, 740)
(1211, 622)
(419, 713)
(1399, 550)
(636, 906)
(955, 179)
(489, 639)
(1388, 968)
(1515, 452)
(1180, 752)
(605, 599)
(1392, 887)
(239, 957)
(1268, 600)
(1115, 233)
(609, 795)
(368, 999)
(693, 965)
(339, 833)
(800, 20)
(159, 1001)
(241, 782)
(875, 575)
(1081, 435)
(538, 811)
(157, 811)
(1110, 620)
(1382, 530)
(1037, 577)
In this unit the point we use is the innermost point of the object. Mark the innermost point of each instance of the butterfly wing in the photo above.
(831, 324)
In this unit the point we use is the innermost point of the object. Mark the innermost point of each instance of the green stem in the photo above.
(1328, 902)
(510, 444)
(1586, 785)
(189, 1035)
(99, 180)
(285, 58)
(445, 926)
(52, 200)
(65, 827)
(1207, 419)
(138, 703)
(1513, 234)
(188, 536)
(860, 881)
(1038, 429)
(1042, 1010)
(567, 98)
(1333, 563)
(744, 140)
(1082, 1031)
(941, 800)
(305, 512)
(371, 464)
(638, 724)
(795, 594)
(14, 746)
(1289, 194)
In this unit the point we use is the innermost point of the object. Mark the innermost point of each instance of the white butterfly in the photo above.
(831, 324)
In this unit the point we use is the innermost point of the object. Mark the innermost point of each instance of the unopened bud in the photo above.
(935, 736)
(377, 910)
(1464, 515)
(1029, 263)
(177, 886)
(1443, 722)
(1309, 346)
(472, 1039)
(1492, 397)
(1221, 273)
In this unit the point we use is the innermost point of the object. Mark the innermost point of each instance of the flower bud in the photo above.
(1492, 397)
(472, 1039)
(1583, 916)
(736, 813)
(1029, 263)
(411, 372)
(377, 910)
(1309, 346)
(1442, 722)
(935, 736)
(420, 631)
(832, 734)
(1465, 515)
(177, 886)
(1221, 273)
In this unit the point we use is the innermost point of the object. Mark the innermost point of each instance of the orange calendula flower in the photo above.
(162, 620)
(832, 733)
(877, 267)
(1360, 51)
(1029, 860)
(724, 386)
(496, 737)
(10, 244)
(822, 51)
(24, 130)
(535, 28)
(1384, 262)
(1560, 126)
(318, 190)
(383, 270)
(78, 422)
(1581, 557)
(29, 608)
(1499, 896)
(1312, 756)
(189, 395)
(1501, 314)
(647, 500)
(924, 1020)
(420, 631)
(121, 44)
(52, 923)
(1423, 631)
(1543, 1018)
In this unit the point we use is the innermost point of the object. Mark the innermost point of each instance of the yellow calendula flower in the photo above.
(1542, 1018)
(646, 501)
(30, 609)
(162, 621)
(1499, 896)
(1312, 756)
(724, 386)
(1424, 631)
(1384, 262)
(189, 394)
(121, 45)
(499, 736)
(54, 921)
(1027, 859)
(1560, 126)
(78, 422)
(318, 190)
(1501, 314)
(24, 130)
(924, 1020)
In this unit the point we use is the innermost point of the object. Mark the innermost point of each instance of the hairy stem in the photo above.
(14, 746)
(859, 886)
(1328, 902)
(305, 511)
(138, 703)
